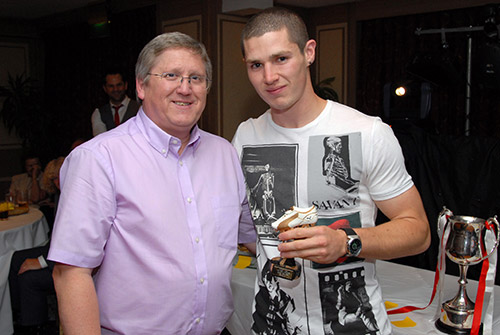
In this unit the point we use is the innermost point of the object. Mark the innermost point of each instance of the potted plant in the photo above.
(325, 90)
(22, 111)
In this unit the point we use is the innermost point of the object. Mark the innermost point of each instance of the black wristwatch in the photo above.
(353, 243)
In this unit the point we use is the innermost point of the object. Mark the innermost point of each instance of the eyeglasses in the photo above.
(193, 80)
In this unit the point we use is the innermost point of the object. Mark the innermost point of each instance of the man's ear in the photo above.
(139, 85)
(310, 51)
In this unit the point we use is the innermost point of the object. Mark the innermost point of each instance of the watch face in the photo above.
(355, 246)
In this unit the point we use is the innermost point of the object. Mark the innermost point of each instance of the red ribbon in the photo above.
(476, 321)
(407, 309)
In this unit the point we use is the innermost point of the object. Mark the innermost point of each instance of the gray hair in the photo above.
(274, 19)
(147, 58)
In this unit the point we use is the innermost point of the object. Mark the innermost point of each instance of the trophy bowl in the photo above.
(465, 246)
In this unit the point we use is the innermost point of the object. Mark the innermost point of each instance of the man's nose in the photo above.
(270, 74)
(184, 85)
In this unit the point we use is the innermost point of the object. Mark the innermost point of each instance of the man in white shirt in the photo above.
(120, 107)
(335, 160)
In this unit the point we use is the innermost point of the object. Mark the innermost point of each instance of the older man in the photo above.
(157, 205)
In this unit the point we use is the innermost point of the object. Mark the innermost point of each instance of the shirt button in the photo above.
(181, 163)
(197, 240)
(202, 280)
(163, 151)
(197, 320)
(189, 200)
(175, 142)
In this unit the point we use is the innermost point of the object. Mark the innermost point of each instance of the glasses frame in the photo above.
(180, 78)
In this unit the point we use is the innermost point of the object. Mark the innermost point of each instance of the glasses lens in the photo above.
(194, 80)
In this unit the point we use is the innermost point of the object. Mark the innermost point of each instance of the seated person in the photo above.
(26, 186)
(50, 185)
(30, 275)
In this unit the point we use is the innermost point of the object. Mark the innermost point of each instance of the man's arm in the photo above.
(407, 233)
(77, 300)
(30, 264)
(251, 247)
(37, 194)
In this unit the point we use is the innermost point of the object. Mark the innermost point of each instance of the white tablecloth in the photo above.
(18, 232)
(402, 285)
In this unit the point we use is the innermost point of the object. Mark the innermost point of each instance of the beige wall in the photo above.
(331, 56)
(238, 100)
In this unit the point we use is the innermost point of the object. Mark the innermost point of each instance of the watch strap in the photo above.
(351, 237)
(349, 231)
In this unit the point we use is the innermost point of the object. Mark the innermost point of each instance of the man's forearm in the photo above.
(37, 193)
(77, 300)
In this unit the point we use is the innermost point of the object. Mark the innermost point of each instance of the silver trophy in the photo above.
(465, 246)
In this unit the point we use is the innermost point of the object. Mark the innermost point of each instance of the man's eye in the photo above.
(195, 78)
(255, 65)
(169, 75)
(281, 59)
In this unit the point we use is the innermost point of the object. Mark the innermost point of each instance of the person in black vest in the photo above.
(120, 107)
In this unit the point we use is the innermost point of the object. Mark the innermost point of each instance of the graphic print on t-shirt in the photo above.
(334, 169)
(271, 176)
(345, 303)
(275, 310)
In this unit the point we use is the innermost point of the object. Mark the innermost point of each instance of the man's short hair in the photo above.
(27, 155)
(114, 70)
(275, 19)
(147, 58)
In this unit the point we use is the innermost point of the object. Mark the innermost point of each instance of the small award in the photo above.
(295, 217)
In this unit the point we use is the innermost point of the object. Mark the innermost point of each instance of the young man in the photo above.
(157, 206)
(328, 159)
(120, 107)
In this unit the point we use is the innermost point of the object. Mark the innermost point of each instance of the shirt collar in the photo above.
(124, 102)
(162, 141)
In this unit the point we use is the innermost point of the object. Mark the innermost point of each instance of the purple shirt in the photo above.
(163, 228)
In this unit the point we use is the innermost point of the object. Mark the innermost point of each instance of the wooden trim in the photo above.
(222, 20)
(188, 25)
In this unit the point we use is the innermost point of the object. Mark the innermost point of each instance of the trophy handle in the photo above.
(492, 224)
(443, 220)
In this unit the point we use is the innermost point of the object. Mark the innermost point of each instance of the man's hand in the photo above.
(320, 244)
(37, 169)
(29, 264)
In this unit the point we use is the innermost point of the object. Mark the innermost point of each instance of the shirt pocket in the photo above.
(227, 215)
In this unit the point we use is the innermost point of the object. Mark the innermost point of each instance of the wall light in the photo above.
(407, 100)
(400, 91)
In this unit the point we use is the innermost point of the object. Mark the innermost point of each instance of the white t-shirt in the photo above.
(340, 162)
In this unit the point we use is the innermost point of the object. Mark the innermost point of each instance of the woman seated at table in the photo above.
(30, 275)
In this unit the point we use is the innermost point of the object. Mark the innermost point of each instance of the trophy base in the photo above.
(441, 326)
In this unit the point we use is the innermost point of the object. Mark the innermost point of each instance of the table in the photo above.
(402, 285)
(16, 233)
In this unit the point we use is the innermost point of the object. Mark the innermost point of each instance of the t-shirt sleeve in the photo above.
(86, 210)
(386, 174)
